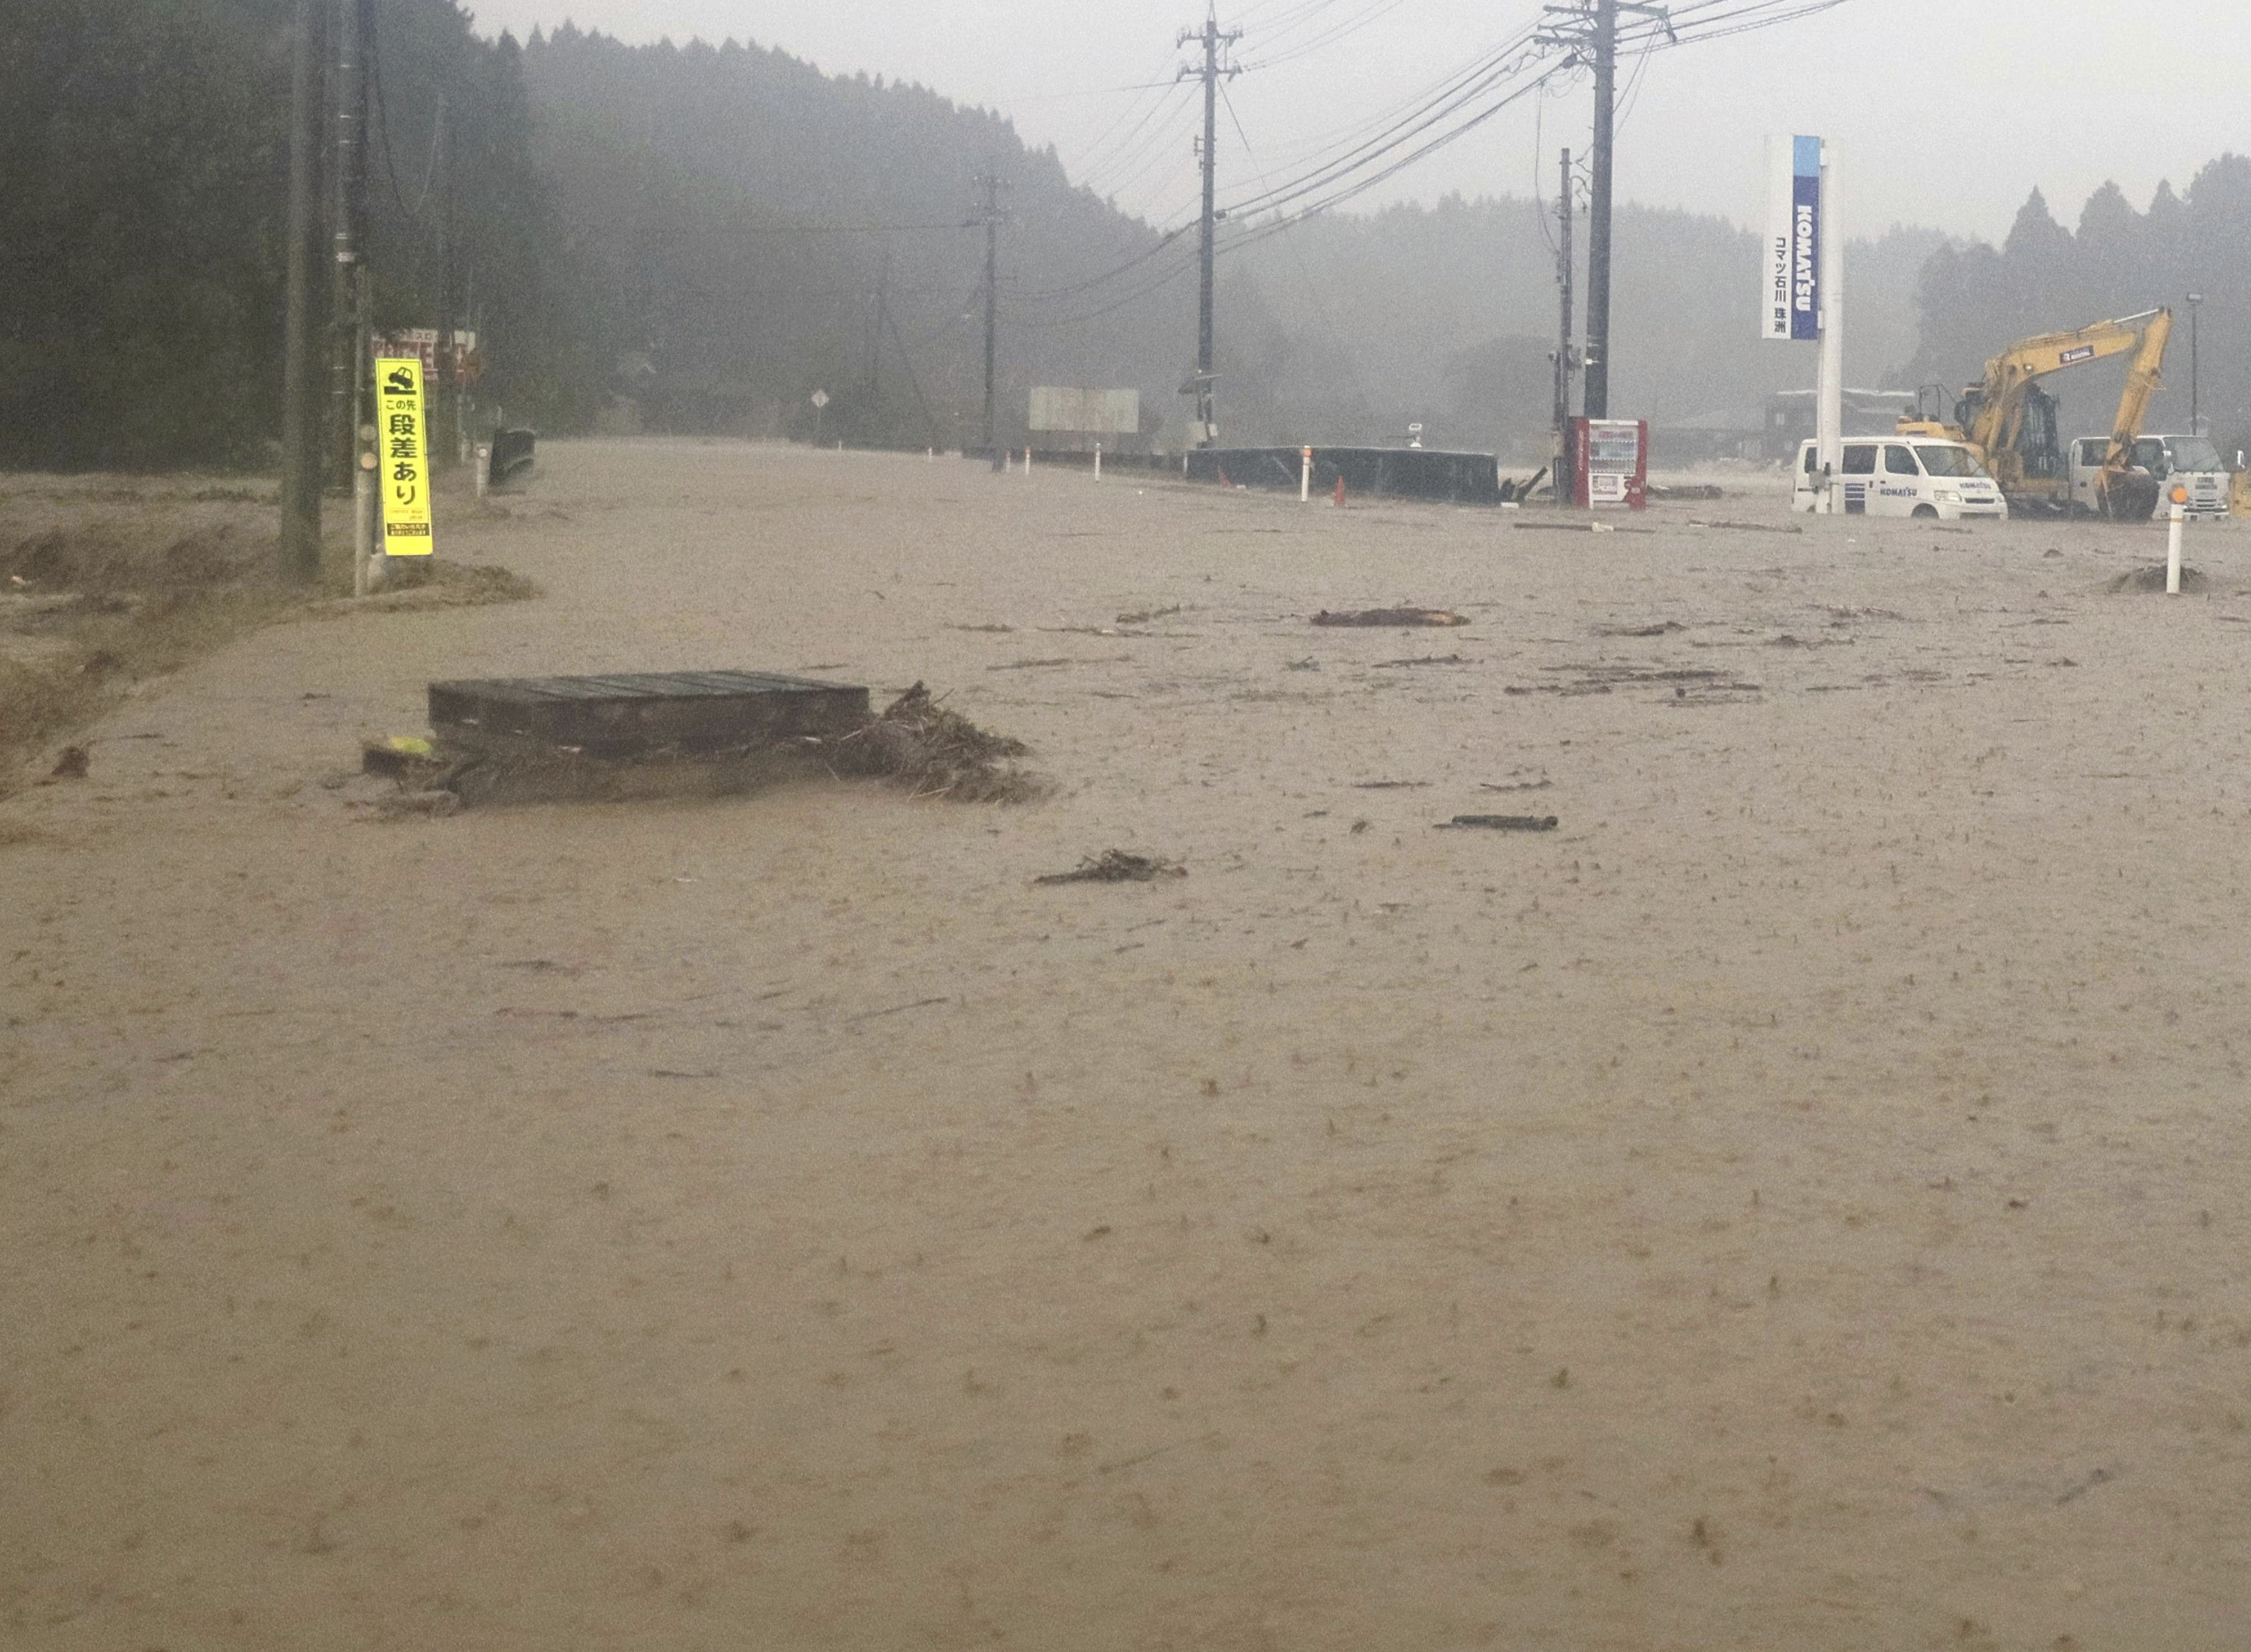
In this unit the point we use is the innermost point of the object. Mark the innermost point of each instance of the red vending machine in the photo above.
(1612, 461)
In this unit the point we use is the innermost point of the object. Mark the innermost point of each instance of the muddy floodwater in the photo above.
(1802, 1200)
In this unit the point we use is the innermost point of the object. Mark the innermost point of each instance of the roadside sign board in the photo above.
(402, 454)
(1789, 293)
(467, 365)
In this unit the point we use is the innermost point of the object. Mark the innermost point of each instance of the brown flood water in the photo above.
(1801, 1201)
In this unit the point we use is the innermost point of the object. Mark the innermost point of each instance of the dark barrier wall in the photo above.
(511, 455)
(1411, 473)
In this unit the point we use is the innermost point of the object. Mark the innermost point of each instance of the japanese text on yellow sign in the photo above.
(402, 461)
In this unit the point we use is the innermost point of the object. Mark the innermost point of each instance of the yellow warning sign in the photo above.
(403, 459)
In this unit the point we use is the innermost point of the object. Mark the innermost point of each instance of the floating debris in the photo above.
(1391, 617)
(1116, 865)
(1500, 822)
(1747, 527)
(2152, 578)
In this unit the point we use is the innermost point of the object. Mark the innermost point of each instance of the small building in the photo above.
(1790, 413)
(1717, 435)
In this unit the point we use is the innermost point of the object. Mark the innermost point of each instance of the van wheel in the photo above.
(1930, 511)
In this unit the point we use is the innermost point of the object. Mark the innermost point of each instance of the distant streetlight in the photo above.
(2195, 427)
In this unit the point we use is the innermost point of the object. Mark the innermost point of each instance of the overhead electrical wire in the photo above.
(1335, 33)
(1297, 253)
(1373, 152)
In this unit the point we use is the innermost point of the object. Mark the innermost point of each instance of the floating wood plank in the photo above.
(627, 714)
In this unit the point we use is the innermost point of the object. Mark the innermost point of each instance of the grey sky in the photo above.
(1946, 112)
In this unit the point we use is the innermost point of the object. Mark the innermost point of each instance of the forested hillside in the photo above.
(757, 230)
(1975, 299)
(143, 157)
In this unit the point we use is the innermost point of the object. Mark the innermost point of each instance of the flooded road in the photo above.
(1797, 1201)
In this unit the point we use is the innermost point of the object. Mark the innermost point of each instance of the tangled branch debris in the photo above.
(918, 743)
(1116, 865)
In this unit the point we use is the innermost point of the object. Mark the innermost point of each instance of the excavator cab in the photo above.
(2032, 454)
(1929, 416)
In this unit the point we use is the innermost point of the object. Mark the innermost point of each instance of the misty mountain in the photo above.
(752, 230)
(1446, 315)
(698, 237)
(756, 229)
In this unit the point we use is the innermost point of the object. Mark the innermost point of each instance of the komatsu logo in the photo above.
(1806, 250)
(2084, 353)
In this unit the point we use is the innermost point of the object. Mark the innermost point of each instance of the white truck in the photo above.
(2191, 463)
(1929, 476)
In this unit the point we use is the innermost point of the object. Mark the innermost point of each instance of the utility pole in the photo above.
(990, 218)
(301, 414)
(442, 362)
(1563, 361)
(2195, 417)
(1590, 27)
(875, 318)
(346, 198)
(349, 315)
(1211, 39)
(1597, 393)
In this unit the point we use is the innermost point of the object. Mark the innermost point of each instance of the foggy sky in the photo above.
(1945, 112)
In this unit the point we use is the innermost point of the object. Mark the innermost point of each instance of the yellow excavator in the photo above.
(2009, 421)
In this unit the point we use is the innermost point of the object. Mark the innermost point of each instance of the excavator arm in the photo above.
(1993, 413)
(2126, 495)
(2000, 410)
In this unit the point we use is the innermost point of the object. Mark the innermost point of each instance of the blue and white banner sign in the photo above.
(1790, 297)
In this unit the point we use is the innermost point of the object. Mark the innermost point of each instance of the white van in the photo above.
(1903, 476)
(2191, 462)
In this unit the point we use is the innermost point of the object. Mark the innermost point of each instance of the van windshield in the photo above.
(1947, 460)
(2195, 452)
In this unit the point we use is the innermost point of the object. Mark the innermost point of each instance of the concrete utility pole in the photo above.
(347, 197)
(1211, 39)
(1590, 26)
(1596, 395)
(448, 383)
(300, 413)
(1563, 363)
(990, 218)
(878, 313)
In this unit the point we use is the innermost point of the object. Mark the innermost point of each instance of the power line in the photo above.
(1369, 153)
(1297, 253)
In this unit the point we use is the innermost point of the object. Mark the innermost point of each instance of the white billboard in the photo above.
(1086, 413)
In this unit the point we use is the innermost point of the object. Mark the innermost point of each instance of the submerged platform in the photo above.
(636, 713)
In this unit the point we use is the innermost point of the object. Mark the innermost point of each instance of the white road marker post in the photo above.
(2173, 541)
(365, 578)
(1098, 461)
(1304, 474)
